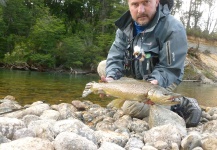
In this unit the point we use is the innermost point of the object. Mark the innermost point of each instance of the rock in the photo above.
(66, 111)
(110, 146)
(9, 125)
(167, 133)
(96, 110)
(138, 126)
(88, 117)
(214, 117)
(209, 143)
(110, 136)
(74, 126)
(118, 114)
(79, 105)
(10, 105)
(27, 143)
(197, 148)
(206, 115)
(161, 145)
(54, 107)
(29, 118)
(37, 103)
(191, 141)
(106, 124)
(3, 139)
(174, 146)
(70, 141)
(9, 97)
(36, 109)
(64, 126)
(212, 111)
(148, 147)
(162, 116)
(123, 122)
(43, 129)
(50, 114)
(134, 143)
(210, 127)
(24, 132)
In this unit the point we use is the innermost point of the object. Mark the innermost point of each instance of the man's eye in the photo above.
(147, 2)
(135, 4)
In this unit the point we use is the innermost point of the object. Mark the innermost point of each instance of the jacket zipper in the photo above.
(168, 51)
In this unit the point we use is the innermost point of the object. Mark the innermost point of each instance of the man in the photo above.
(150, 44)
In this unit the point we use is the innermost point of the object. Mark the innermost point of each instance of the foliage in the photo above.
(42, 60)
(71, 52)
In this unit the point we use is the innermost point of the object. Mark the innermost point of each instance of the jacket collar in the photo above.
(124, 23)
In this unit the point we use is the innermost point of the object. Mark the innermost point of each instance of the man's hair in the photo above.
(170, 3)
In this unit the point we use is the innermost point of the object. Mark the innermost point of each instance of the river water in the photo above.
(53, 88)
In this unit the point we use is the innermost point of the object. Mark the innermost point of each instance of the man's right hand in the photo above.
(106, 79)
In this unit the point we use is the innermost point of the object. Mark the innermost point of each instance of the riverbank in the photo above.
(200, 64)
(85, 125)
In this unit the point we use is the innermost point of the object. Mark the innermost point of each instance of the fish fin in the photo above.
(100, 81)
(117, 103)
(87, 89)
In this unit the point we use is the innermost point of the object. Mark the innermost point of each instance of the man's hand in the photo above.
(154, 82)
(106, 79)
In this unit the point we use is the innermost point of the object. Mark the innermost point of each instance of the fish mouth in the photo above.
(173, 100)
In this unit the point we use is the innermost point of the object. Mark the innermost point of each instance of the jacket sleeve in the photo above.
(115, 58)
(170, 68)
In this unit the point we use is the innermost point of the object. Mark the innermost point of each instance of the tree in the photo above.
(3, 38)
(17, 17)
(3, 2)
(196, 12)
(176, 7)
(44, 38)
(211, 21)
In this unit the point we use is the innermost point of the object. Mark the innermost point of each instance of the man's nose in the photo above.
(141, 8)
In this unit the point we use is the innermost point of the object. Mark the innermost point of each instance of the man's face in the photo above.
(142, 11)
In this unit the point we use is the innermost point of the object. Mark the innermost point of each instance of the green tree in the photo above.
(44, 38)
(3, 39)
(17, 17)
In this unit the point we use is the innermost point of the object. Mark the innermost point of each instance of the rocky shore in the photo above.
(83, 125)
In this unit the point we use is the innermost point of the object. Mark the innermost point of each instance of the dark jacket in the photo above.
(164, 38)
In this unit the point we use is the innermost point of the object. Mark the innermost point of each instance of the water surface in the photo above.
(206, 94)
(28, 87)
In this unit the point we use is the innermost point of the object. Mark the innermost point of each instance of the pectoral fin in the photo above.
(117, 103)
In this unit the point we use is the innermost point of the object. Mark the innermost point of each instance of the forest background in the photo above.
(63, 34)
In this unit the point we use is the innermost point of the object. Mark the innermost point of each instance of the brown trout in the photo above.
(131, 89)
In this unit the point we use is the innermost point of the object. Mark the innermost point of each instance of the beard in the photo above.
(143, 19)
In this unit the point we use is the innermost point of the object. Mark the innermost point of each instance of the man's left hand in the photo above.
(154, 82)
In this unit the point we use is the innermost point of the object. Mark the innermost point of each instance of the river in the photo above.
(53, 88)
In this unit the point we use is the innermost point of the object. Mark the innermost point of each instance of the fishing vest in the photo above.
(151, 59)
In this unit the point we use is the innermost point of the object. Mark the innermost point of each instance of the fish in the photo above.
(135, 90)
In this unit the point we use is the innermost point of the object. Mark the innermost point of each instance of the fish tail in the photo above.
(117, 103)
(87, 89)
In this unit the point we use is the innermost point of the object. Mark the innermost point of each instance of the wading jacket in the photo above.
(164, 41)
